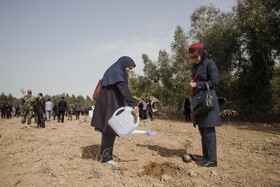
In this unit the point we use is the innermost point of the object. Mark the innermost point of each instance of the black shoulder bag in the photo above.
(203, 101)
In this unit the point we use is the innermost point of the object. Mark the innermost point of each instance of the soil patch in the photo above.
(67, 154)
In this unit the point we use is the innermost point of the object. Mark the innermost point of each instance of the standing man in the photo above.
(77, 109)
(70, 110)
(9, 110)
(62, 106)
(49, 108)
(40, 111)
(28, 102)
(3, 111)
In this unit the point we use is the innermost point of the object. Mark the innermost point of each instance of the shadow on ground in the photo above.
(91, 152)
(164, 152)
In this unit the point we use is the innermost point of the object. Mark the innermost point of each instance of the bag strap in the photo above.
(195, 77)
(197, 72)
(207, 86)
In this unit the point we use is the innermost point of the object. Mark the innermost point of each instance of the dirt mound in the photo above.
(161, 170)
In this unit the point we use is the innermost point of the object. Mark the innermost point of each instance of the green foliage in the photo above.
(258, 44)
(180, 63)
(275, 85)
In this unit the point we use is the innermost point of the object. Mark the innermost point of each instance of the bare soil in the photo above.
(67, 154)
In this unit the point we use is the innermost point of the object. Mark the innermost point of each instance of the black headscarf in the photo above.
(116, 72)
(203, 54)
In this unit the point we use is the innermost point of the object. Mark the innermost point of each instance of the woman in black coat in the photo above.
(205, 70)
(113, 95)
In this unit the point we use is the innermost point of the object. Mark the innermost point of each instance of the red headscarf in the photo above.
(195, 46)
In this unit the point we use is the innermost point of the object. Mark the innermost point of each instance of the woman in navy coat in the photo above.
(205, 70)
(113, 95)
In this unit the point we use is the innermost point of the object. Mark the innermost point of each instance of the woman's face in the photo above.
(195, 58)
(129, 69)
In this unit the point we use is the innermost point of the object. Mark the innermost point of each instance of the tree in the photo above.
(180, 64)
(181, 67)
(150, 69)
(258, 22)
(275, 82)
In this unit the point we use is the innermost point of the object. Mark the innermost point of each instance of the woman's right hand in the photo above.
(135, 111)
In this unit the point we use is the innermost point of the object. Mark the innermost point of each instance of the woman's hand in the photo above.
(193, 84)
(135, 111)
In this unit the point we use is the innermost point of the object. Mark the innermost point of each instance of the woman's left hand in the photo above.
(193, 84)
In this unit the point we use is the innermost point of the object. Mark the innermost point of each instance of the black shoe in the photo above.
(197, 158)
(208, 163)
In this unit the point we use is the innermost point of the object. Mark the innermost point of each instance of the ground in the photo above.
(67, 155)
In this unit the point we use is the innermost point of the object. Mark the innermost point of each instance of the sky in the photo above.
(65, 46)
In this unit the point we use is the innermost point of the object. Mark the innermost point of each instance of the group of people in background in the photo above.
(33, 106)
(41, 110)
(6, 111)
(146, 109)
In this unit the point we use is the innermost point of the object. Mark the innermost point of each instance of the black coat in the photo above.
(208, 72)
(62, 105)
(41, 106)
(110, 99)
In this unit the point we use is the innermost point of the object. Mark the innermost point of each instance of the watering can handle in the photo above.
(122, 108)
(129, 109)
(115, 113)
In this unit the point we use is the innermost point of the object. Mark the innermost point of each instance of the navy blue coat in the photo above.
(207, 72)
(110, 99)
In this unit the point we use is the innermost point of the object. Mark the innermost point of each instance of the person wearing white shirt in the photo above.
(49, 108)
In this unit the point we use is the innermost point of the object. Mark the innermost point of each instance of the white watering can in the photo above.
(123, 122)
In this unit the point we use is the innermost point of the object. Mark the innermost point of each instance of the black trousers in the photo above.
(77, 115)
(188, 116)
(208, 142)
(61, 116)
(107, 144)
(41, 121)
(3, 115)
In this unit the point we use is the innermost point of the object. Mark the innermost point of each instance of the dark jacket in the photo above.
(62, 105)
(110, 99)
(207, 72)
(41, 106)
